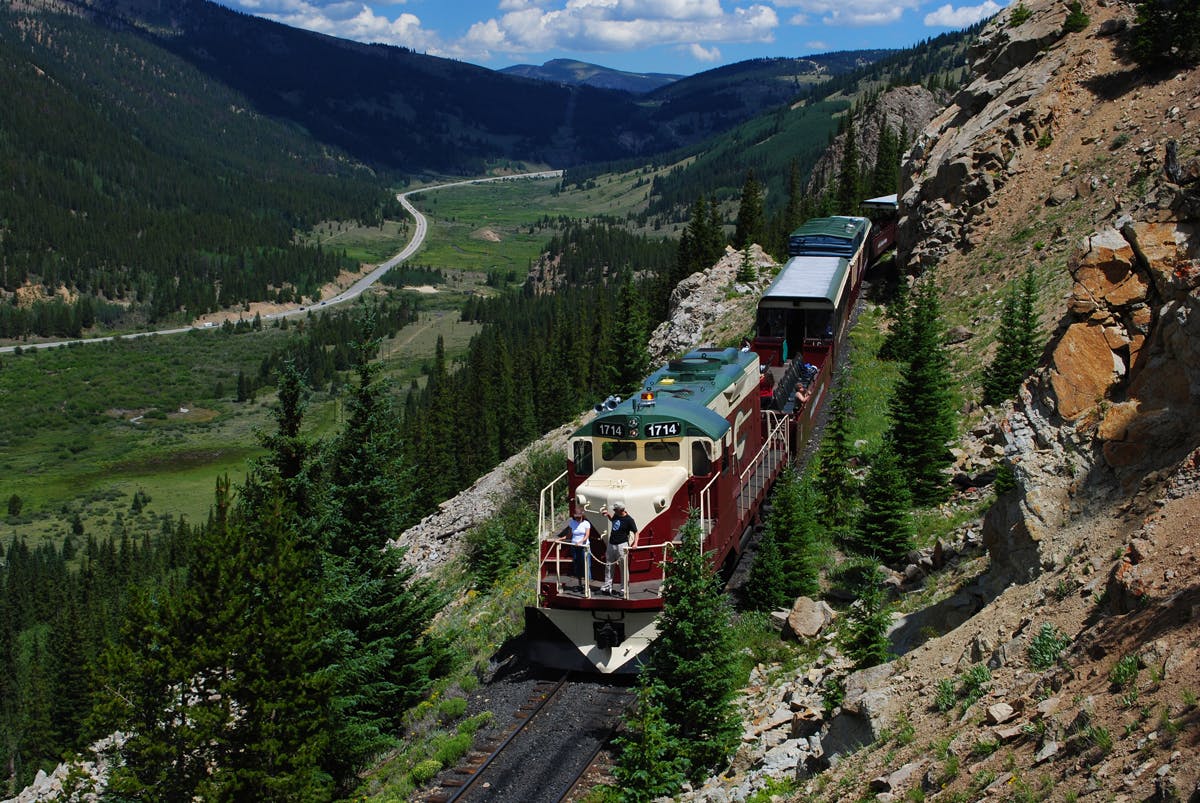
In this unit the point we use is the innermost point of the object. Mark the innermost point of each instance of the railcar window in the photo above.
(701, 462)
(661, 452)
(618, 451)
(583, 457)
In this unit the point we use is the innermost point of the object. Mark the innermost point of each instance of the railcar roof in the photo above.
(889, 202)
(820, 278)
(683, 388)
(841, 226)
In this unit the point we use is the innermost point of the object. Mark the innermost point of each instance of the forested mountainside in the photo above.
(410, 112)
(784, 146)
(137, 187)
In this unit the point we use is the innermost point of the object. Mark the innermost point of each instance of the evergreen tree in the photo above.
(630, 334)
(750, 217)
(1166, 32)
(378, 605)
(692, 662)
(886, 178)
(746, 271)
(836, 487)
(864, 637)
(849, 185)
(792, 524)
(884, 529)
(766, 586)
(651, 763)
(921, 408)
(1016, 351)
(897, 345)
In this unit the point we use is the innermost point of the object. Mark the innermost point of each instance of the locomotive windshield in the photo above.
(661, 451)
(618, 451)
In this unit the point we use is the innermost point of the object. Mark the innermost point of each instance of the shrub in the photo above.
(452, 708)
(944, 698)
(1046, 646)
(1076, 20)
(1124, 672)
(973, 684)
(425, 770)
(453, 748)
(1019, 14)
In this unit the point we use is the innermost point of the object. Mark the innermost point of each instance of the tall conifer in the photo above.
(921, 408)
(692, 659)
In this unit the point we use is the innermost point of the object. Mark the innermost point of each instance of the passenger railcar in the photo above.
(704, 433)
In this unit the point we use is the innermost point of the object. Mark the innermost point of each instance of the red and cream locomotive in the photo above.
(709, 432)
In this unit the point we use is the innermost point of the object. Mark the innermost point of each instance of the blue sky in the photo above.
(670, 36)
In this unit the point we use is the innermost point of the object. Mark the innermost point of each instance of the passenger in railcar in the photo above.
(622, 536)
(581, 532)
(802, 395)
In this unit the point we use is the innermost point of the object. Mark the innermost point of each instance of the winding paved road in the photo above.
(349, 294)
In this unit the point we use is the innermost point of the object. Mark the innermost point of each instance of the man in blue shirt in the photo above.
(622, 536)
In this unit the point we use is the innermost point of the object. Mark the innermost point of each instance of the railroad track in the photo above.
(554, 738)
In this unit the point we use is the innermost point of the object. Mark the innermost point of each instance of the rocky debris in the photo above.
(908, 108)
(807, 618)
(438, 538)
(700, 301)
(83, 779)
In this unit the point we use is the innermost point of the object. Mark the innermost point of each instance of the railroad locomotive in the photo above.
(708, 432)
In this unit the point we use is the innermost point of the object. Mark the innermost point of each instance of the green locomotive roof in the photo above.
(842, 227)
(683, 389)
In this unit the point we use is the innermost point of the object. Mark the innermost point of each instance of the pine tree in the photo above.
(692, 660)
(1166, 32)
(886, 178)
(766, 586)
(897, 345)
(750, 217)
(864, 638)
(746, 272)
(884, 529)
(921, 408)
(792, 524)
(1016, 352)
(630, 333)
(837, 490)
(650, 764)
(381, 609)
(849, 185)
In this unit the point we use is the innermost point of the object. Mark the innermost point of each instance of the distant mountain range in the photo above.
(580, 73)
(406, 112)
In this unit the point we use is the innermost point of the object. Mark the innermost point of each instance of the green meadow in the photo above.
(89, 427)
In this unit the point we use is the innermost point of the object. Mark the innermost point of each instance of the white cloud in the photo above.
(817, 46)
(700, 53)
(852, 12)
(948, 16)
(614, 25)
(348, 20)
(798, 19)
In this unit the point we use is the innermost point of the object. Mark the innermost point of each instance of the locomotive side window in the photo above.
(701, 461)
(661, 452)
(583, 457)
(618, 451)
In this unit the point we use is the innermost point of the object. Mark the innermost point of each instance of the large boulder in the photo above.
(807, 618)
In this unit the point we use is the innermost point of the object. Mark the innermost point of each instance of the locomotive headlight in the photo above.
(660, 503)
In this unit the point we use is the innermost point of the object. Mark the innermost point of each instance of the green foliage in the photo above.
(746, 272)
(1045, 140)
(1046, 646)
(973, 684)
(884, 529)
(921, 408)
(1016, 352)
(835, 485)
(1006, 478)
(849, 184)
(864, 635)
(1076, 20)
(1019, 13)
(14, 505)
(424, 771)
(795, 527)
(765, 588)
(749, 227)
(944, 697)
(691, 667)
(898, 343)
(652, 761)
(1124, 673)
(1166, 32)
